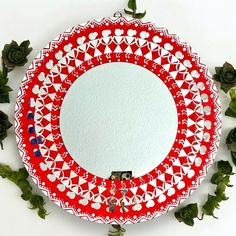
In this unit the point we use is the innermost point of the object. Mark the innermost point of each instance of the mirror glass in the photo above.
(118, 117)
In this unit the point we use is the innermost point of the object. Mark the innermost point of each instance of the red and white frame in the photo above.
(37, 120)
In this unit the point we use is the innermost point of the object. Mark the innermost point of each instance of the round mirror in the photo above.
(118, 117)
(112, 96)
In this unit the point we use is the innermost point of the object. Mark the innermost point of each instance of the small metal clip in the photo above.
(121, 175)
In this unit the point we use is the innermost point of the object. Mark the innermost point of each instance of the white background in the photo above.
(207, 25)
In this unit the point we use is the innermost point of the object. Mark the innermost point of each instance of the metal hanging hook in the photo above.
(118, 14)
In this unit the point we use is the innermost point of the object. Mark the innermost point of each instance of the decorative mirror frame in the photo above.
(38, 108)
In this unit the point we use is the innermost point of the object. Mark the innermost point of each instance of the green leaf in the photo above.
(232, 94)
(219, 70)
(118, 228)
(230, 113)
(232, 147)
(178, 216)
(42, 213)
(190, 211)
(139, 15)
(187, 214)
(211, 204)
(3, 81)
(23, 173)
(217, 177)
(5, 170)
(226, 181)
(233, 156)
(216, 77)
(220, 192)
(36, 201)
(228, 67)
(188, 221)
(4, 126)
(3, 78)
(14, 177)
(231, 137)
(4, 71)
(226, 87)
(27, 195)
(224, 167)
(194, 210)
(232, 106)
(5, 89)
(24, 185)
(132, 5)
(128, 12)
(20, 179)
(25, 44)
(220, 189)
(119, 231)
(4, 98)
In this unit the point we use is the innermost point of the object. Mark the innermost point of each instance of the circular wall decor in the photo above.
(53, 115)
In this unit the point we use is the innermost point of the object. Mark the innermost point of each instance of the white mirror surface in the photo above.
(118, 117)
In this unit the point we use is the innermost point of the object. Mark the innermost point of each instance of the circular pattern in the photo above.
(38, 129)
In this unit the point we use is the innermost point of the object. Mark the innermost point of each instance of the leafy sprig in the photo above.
(226, 75)
(187, 214)
(16, 55)
(132, 5)
(221, 178)
(4, 88)
(118, 231)
(20, 179)
(4, 126)
(231, 110)
(231, 143)
(12, 55)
